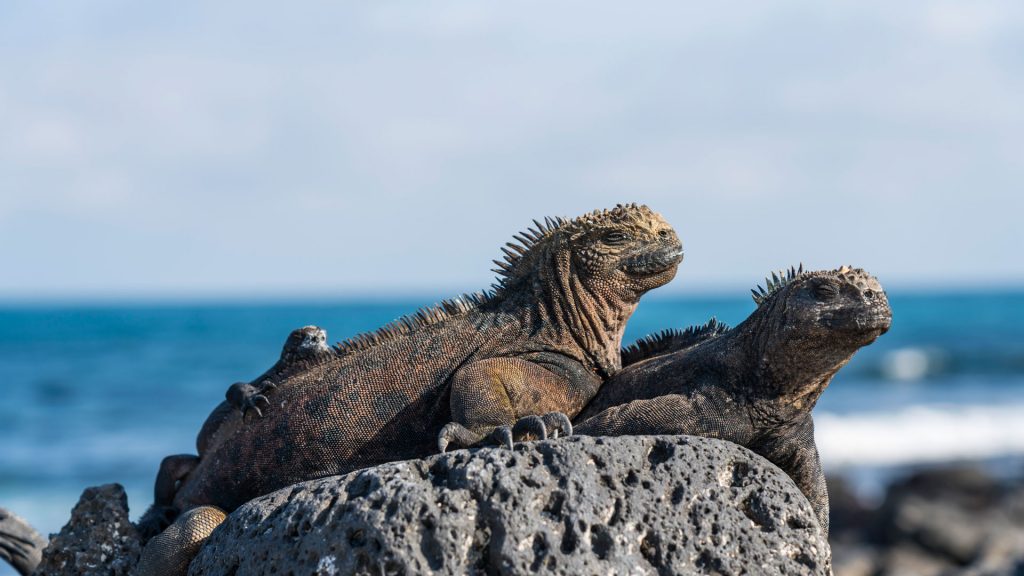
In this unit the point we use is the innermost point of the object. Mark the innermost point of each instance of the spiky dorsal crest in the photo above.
(782, 278)
(519, 263)
(423, 317)
(775, 282)
(671, 340)
(526, 243)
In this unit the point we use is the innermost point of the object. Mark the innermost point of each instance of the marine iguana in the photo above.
(755, 384)
(21, 545)
(487, 367)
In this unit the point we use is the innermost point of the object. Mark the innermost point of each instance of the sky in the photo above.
(253, 149)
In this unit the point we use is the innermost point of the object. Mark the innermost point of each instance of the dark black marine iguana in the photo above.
(755, 384)
(506, 364)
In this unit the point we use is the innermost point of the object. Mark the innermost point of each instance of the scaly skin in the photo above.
(21, 545)
(756, 384)
(512, 364)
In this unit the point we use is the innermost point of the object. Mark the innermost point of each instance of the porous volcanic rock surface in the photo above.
(581, 505)
(97, 540)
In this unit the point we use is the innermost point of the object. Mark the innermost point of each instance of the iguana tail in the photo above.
(170, 552)
(20, 544)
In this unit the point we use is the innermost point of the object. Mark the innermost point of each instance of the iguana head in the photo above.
(628, 250)
(622, 252)
(845, 305)
(587, 274)
(811, 324)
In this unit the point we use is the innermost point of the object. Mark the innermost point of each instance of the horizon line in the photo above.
(716, 291)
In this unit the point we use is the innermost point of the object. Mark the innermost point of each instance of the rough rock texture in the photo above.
(627, 505)
(942, 521)
(98, 539)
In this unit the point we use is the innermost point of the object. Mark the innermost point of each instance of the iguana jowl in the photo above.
(755, 384)
(514, 361)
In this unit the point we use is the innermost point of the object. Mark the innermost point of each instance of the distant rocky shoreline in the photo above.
(952, 519)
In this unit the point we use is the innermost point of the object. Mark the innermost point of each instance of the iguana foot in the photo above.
(243, 396)
(529, 428)
(453, 432)
(462, 437)
(557, 424)
(550, 425)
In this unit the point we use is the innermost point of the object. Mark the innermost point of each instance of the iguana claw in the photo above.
(557, 424)
(245, 397)
(455, 432)
(250, 404)
(550, 425)
(463, 437)
(530, 427)
(501, 436)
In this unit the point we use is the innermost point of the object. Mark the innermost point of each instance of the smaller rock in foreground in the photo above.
(98, 540)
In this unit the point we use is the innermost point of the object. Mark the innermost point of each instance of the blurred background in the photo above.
(182, 184)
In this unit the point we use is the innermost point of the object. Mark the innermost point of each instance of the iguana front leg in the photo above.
(796, 453)
(173, 471)
(500, 400)
(668, 414)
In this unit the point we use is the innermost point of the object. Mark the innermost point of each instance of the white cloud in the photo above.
(151, 150)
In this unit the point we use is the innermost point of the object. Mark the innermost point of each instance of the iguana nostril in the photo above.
(869, 294)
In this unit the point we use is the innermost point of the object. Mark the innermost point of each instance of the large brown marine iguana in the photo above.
(485, 367)
(755, 384)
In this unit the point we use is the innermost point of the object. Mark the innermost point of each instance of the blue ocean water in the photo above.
(97, 394)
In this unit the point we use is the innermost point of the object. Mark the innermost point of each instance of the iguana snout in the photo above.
(654, 261)
(851, 302)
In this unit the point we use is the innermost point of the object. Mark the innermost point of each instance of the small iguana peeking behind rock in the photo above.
(756, 384)
(486, 367)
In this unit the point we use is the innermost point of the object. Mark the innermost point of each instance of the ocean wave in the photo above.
(920, 434)
(914, 363)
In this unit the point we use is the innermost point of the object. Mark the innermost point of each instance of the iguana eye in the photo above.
(615, 238)
(825, 290)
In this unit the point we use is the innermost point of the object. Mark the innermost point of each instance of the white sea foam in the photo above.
(920, 434)
(914, 363)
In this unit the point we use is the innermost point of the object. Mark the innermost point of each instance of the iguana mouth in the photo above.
(875, 324)
(880, 322)
(652, 263)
